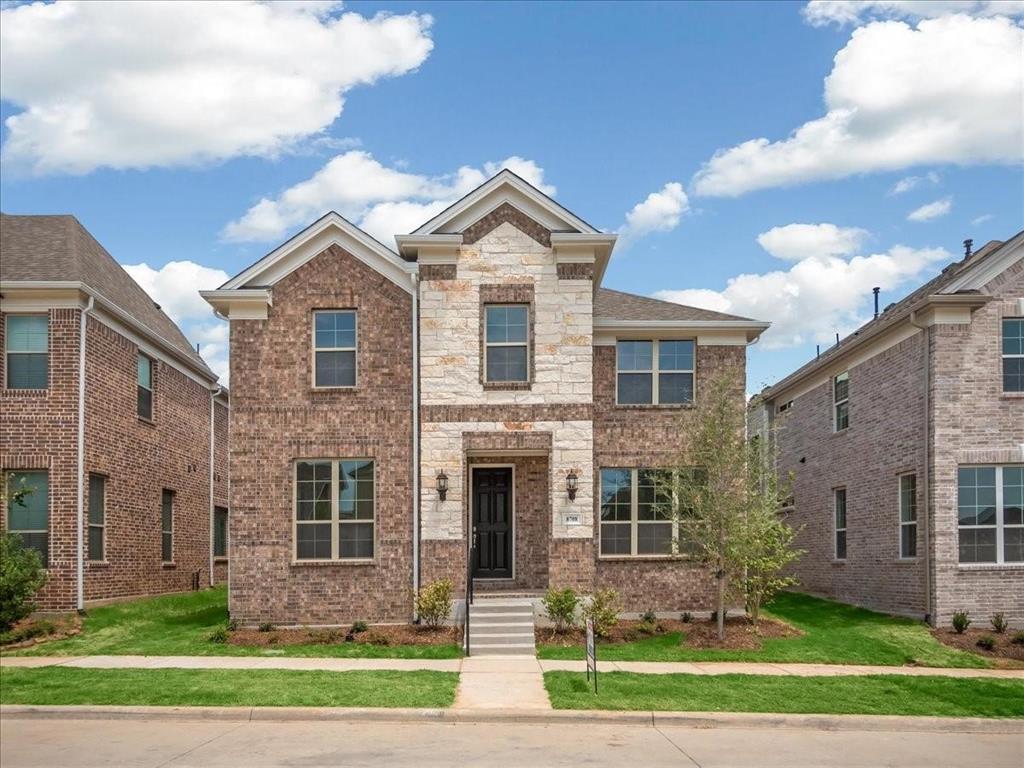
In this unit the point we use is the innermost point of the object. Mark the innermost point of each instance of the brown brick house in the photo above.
(906, 443)
(128, 463)
(478, 386)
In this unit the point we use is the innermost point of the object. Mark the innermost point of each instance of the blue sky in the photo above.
(606, 103)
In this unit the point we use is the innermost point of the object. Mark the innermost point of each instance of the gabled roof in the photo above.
(505, 187)
(58, 249)
(612, 305)
(960, 280)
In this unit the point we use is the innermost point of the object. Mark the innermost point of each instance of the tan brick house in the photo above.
(111, 418)
(478, 386)
(906, 443)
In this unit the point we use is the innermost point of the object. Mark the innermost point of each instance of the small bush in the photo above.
(359, 626)
(560, 606)
(1018, 638)
(266, 626)
(375, 638)
(219, 635)
(434, 602)
(649, 617)
(687, 617)
(987, 642)
(324, 636)
(999, 622)
(273, 640)
(961, 621)
(21, 576)
(603, 610)
(232, 625)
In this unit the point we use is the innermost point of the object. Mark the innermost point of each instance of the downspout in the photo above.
(415, 438)
(213, 396)
(927, 508)
(80, 538)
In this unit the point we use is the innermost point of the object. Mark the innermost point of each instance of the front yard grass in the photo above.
(180, 625)
(227, 687)
(874, 694)
(834, 633)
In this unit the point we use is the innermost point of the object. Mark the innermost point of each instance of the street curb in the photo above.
(524, 717)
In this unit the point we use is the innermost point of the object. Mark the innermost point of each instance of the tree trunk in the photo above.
(721, 605)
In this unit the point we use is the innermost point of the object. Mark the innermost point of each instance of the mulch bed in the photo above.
(377, 634)
(33, 631)
(740, 633)
(1005, 653)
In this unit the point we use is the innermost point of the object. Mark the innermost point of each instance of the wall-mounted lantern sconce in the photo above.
(572, 484)
(442, 485)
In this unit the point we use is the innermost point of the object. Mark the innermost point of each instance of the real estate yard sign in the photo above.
(591, 653)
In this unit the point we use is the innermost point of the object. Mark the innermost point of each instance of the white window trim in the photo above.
(836, 403)
(900, 524)
(163, 530)
(8, 351)
(1004, 356)
(835, 524)
(353, 349)
(525, 344)
(335, 520)
(634, 520)
(1000, 524)
(655, 370)
(103, 527)
(151, 389)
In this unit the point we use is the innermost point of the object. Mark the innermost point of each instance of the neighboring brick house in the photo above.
(129, 474)
(390, 408)
(906, 444)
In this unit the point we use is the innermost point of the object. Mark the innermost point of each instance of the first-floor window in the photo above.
(638, 515)
(840, 511)
(28, 510)
(334, 509)
(908, 515)
(167, 526)
(990, 503)
(97, 516)
(220, 532)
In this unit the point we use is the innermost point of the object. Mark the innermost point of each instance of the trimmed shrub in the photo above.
(375, 638)
(359, 626)
(219, 635)
(961, 621)
(687, 617)
(603, 609)
(21, 576)
(434, 602)
(987, 642)
(560, 606)
(266, 626)
(1018, 638)
(999, 622)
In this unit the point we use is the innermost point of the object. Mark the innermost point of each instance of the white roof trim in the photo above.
(505, 187)
(751, 328)
(977, 276)
(332, 229)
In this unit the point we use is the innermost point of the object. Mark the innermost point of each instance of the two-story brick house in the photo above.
(477, 386)
(906, 445)
(110, 418)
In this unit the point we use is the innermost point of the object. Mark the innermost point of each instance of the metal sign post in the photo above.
(591, 653)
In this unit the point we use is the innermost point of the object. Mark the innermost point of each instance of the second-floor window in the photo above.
(657, 372)
(841, 401)
(1013, 354)
(27, 348)
(334, 348)
(144, 398)
(506, 343)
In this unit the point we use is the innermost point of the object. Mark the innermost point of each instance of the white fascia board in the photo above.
(708, 332)
(41, 295)
(331, 229)
(977, 276)
(419, 246)
(516, 192)
(240, 303)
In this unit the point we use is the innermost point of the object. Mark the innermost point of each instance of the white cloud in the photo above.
(383, 201)
(659, 212)
(817, 296)
(140, 84)
(819, 13)
(175, 287)
(982, 219)
(908, 183)
(796, 242)
(947, 91)
(932, 210)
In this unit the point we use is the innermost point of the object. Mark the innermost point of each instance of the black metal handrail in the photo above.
(469, 590)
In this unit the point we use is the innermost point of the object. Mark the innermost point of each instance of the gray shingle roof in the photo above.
(617, 305)
(59, 248)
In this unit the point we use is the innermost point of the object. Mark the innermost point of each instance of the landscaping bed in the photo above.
(740, 633)
(32, 631)
(1007, 648)
(380, 635)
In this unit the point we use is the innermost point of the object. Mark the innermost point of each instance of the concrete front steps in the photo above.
(501, 626)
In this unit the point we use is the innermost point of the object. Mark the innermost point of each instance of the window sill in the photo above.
(990, 566)
(353, 388)
(328, 563)
(842, 431)
(169, 566)
(147, 422)
(642, 558)
(906, 560)
(220, 559)
(505, 386)
(655, 406)
(98, 563)
(18, 392)
(1012, 396)
(836, 561)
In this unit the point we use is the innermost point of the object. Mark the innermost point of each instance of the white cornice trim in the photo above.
(240, 303)
(331, 229)
(710, 331)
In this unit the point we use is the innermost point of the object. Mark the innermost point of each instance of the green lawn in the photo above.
(227, 687)
(834, 633)
(180, 625)
(875, 695)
